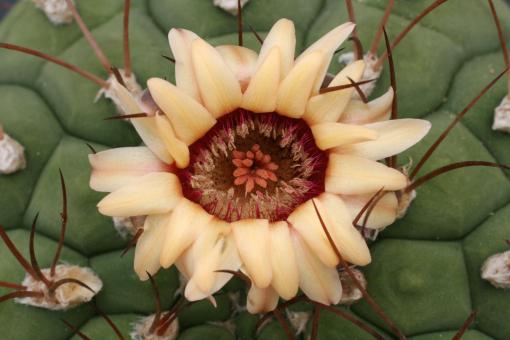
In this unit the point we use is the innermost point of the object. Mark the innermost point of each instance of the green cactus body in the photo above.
(425, 269)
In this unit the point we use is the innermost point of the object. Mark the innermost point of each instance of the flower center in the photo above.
(252, 165)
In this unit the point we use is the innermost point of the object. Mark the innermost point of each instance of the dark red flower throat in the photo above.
(252, 165)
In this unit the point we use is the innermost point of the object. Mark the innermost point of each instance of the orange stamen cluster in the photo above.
(253, 167)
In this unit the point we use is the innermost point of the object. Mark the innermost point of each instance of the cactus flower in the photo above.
(235, 153)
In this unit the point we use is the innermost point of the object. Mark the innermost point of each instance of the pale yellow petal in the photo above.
(114, 168)
(283, 261)
(395, 136)
(260, 95)
(382, 215)
(192, 292)
(189, 119)
(338, 222)
(327, 45)
(208, 250)
(185, 263)
(305, 221)
(187, 221)
(376, 110)
(150, 244)
(352, 175)
(261, 300)
(241, 61)
(328, 107)
(330, 135)
(219, 89)
(252, 239)
(145, 127)
(177, 148)
(229, 260)
(155, 193)
(190, 259)
(296, 88)
(283, 36)
(319, 282)
(347, 238)
(180, 42)
(209, 244)
(148, 132)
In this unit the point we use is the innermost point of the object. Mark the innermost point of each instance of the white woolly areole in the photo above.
(127, 226)
(237, 305)
(405, 198)
(57, 11)
(229, 5)
(371, 72)
(66, 296)
(350, 291)
(131, 84)
(141, 330)
(404, 202)
(298, 320)
(496, 270)
(502, 116)
(12, 155)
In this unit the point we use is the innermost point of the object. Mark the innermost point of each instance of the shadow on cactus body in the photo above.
(71, 113)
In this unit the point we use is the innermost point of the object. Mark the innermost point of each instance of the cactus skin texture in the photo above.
(426, 268)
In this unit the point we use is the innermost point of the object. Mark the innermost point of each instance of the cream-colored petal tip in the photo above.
(219, 88)
(419, 127)
(424, 126)
(395, 136)
(155, 81)
(189, 119)
(330, 135)
(260, 94)
(284, 21)
(346, 28)
(352, 175)
(296, 89)
(174, 31)
(283, 27)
